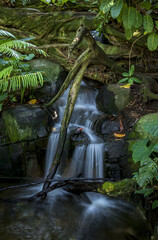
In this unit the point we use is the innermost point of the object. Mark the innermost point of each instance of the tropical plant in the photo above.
(145, 151)
(129, 76)
(135, 16)
(15, 73)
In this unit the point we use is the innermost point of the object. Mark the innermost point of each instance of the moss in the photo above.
(115, 189)
(13, 129)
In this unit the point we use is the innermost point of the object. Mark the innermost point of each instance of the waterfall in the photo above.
(94, 161)
(86, 160)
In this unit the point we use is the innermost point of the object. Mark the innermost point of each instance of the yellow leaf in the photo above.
(33, 101)
(119, 135)
(126, 86)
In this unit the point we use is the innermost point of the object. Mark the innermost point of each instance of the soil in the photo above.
(137, 107)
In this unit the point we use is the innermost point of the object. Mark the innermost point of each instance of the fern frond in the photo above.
(6, 72)
(10, 52)
(19, 44)
(14, 83)
(6, 33)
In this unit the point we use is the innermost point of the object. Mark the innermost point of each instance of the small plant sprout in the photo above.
(128, 77)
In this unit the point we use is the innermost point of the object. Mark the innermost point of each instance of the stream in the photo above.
(63, 215)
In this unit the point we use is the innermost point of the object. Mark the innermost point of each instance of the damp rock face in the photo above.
(25, 123)
(54, 76)
(23, 140)
(112, 98)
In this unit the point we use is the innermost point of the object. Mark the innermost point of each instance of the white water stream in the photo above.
(87, 160)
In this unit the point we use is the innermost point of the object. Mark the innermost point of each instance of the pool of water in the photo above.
(65, 216)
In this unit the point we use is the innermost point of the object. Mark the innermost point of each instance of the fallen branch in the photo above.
(68, 180)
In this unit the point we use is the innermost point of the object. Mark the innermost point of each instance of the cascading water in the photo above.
(87, 160)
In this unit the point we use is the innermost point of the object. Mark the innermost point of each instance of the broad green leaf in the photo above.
(123, 80)
(116, 9)
(125, 74)
(151, 127)
(148, 23)
(145, 5)
(128, 17)
(106, 5)
(138, 19)
(137, 80)
(128, 33)
(131, 71)
(152, 41)
(130, 81)
(140, 150)
(155, 204)
(1, 106)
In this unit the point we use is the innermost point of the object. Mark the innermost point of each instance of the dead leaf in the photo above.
(119, 135)
(126, 86)
(33, 101)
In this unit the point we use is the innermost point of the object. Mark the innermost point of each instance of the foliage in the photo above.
(134, 16)
(129, 76)
(145, 152)
(15, 73)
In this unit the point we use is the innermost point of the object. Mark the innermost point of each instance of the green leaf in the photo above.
(116, 9)
(128, 17)
(123, 80)
(138, 19)
(145, 5)
(148, 23)
(152, 41)
(128, 33)
(146, 191)
(125, 74)
(140, 150)
(155, 204)
(151, 127)
(106, 5)
(130, 81)
(137, 80)
(131, 71)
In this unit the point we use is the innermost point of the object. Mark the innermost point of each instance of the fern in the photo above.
(8, 46)
(15, 83)
(6, 72)
(6, 33)
(14, 77)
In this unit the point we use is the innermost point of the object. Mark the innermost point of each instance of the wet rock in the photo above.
(116, 149)
(78, 136)
(5, 161)
(54, 77)
(25, 123)
(112, 99)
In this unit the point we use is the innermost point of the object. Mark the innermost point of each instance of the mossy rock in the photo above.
(25, 123)
(112, 98)
(119, 188)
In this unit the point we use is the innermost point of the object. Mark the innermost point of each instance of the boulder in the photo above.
(25, 122)
(112, 98)
(54, 78)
